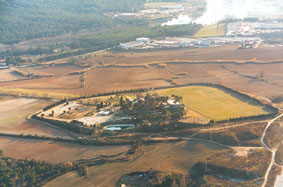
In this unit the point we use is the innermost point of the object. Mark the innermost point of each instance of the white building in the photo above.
(143, 39)
(131, 45)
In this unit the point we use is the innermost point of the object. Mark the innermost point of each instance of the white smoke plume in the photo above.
(181, 20)
(218, 10)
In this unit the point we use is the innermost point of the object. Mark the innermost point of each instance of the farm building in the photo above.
(119, 127)
(104, 113)
(131, 45)
(143, 39)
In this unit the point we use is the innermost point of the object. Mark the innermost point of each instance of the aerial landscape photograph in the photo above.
(141, 93)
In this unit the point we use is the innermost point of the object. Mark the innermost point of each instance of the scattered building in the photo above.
(253, 28)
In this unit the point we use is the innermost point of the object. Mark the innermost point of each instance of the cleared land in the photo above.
(128, 70)
(211, 30)
(213, 103)
(13, 113)
(182, 158)
(168, 157)
(54, 152)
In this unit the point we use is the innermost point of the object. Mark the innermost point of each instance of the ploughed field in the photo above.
(114, 71)
(54, 152)
(13, 114)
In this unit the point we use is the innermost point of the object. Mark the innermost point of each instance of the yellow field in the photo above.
(35, 93)
(214, 103)
(211, 30)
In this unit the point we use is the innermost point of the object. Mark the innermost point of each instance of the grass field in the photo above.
(211, 30)
(214, 103)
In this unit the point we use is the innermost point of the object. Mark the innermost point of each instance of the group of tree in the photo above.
(14, 60)
(153, 110)
(25, 172)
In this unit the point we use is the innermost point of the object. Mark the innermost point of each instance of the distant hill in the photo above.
(23, 20)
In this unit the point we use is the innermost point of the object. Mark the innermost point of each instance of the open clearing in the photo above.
(213, 103)
(211, 30)
(54, 152)
(13, 113)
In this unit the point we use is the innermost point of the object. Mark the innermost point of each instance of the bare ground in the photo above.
(54, 152)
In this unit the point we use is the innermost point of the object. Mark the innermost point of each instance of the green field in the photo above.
(214, 103)
(211, 30)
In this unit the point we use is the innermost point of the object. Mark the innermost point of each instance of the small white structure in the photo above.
(118, 127)
(143, 39)
(172, 102)
(113, 129)
(130, 45)
(104, 113)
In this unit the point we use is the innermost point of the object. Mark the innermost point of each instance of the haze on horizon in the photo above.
(219, 10)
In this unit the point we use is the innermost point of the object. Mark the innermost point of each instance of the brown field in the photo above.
(102, 80)
(180, 158)
(54, 152)
(13, 113)
(167, 157)
(164, 68)
(57, 70)
(66, 82)
(126, 78)
(230, 53)
(6, 75)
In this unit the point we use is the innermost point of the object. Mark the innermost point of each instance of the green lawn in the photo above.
(214, 103)
(211, 30)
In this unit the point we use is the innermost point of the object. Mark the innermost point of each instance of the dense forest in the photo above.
(23, 20)
(15, 172)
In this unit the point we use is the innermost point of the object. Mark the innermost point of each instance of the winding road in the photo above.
(270, 149)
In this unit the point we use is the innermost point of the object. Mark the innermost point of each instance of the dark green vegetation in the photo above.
(150, 178)
(222, 166)
(90, 23)
(153, 111)
(28, 172)
(24, 20)
(114, 37)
